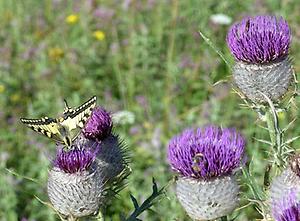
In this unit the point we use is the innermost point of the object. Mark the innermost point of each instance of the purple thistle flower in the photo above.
(287, 209)
(99, 125)
(206, 153)
(259, 39)
(75, 160)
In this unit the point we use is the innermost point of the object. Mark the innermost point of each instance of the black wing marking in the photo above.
(78, 117)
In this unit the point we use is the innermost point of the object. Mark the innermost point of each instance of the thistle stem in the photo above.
(275, 136)
(271, 128)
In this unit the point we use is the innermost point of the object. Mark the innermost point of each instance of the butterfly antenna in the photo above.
(66, 105)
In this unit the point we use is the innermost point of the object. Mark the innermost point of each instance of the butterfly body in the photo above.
(66, 128)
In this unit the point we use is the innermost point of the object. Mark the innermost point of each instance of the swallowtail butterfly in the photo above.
(65, 129)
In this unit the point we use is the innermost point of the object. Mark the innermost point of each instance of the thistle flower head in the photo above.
(74, 160)
(206, 153)
(259, 39)
(288, 208)
(99, 124)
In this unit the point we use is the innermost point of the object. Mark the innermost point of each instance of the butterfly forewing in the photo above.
(46, 126)
(78, 117)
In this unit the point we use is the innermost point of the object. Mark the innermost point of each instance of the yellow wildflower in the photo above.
(99, 35)
(15, 97)
(72, 19)
(2, 88)
(55, 53)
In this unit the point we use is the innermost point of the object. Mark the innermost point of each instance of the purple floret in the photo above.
(74, 160)
(287, 209)
(259, 39)
(99, 125)
(206, 153)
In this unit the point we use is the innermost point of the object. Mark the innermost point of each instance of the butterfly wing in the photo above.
(76, 118)
(46, 126)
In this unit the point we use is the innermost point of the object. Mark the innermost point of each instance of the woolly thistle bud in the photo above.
(287, 208)
(260, 46)
(99, 125)
(75, 187)
(206, 160)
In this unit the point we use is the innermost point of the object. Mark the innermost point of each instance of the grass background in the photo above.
(152, 63)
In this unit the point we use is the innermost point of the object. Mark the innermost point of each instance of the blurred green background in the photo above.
(142, 58)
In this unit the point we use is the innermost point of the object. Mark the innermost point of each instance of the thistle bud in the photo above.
(260, 46)
(206, 160)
